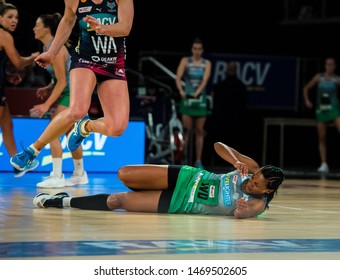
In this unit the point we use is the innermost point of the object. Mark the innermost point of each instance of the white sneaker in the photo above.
(52, 181)
(77, 180)
(323, 168)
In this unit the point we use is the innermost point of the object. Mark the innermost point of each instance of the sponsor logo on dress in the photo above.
(109, 60)
(85, 9)
(212, 191)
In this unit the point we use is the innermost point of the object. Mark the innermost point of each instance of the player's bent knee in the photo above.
(124, 173)
(121, 172)
(115, 131)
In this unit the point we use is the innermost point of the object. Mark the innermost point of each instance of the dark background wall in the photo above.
(252, 27)
(304, 29)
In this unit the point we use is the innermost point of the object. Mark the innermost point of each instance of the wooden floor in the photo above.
(303, 222)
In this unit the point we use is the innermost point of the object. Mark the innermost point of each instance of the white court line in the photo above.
(303, 209)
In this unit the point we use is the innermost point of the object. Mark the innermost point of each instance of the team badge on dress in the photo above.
(111, 5)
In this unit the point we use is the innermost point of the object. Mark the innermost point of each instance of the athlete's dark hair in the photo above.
(274, 177)
(51, 21)
(4, 7)
(197, 40)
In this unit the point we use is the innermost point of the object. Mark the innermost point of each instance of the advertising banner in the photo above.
(272, 82)
(101, 153)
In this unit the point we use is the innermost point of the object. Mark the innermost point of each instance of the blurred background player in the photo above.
(327, 108)
(58, 91)
(9, 17)
(195, 71)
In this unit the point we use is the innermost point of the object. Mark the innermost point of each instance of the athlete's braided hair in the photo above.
(274, 177)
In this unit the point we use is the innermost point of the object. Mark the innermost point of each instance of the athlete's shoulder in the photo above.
(206, 60)
(318, 76)
(187, 58)
(184, 61)
(337, 79)
(207, 63)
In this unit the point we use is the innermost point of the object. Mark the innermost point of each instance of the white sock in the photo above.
(36, 152)
(67, 201)
(78, 166)
(82, 128)
(57, 166)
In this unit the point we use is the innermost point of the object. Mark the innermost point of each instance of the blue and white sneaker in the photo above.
(76, 137)
(24, 160)
(33, 165)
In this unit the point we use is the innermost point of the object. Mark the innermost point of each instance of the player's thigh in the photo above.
(146, 176)
(114, 99)
(82, 85)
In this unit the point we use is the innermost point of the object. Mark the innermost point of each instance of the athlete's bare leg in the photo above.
(6, 123)
(144, 176)
(143, 201)
(187, 126)
(82, 85)
(114, 99)
(199, 134)
(322, 133)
